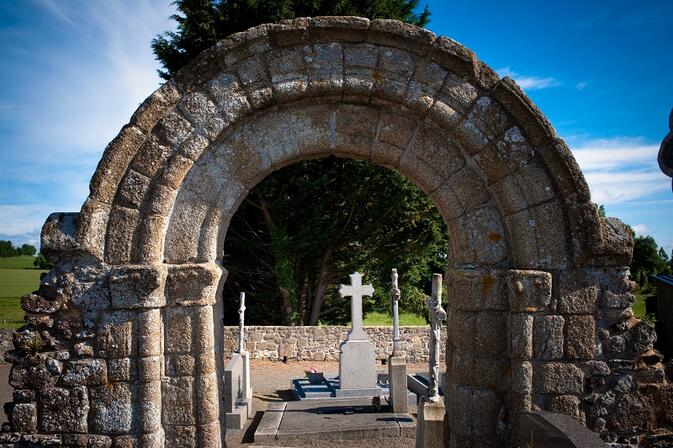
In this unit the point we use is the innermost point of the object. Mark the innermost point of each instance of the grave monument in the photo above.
(430, 424)
(357, 358)
(397, 363)
(238, 390)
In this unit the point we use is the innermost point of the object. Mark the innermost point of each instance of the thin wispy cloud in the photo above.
(22, 223)
(619, 169)
(529, 82)
(55, 9)
(77, 71)
(641, 229)
(104, 81)
(581, 85)
(613, 153)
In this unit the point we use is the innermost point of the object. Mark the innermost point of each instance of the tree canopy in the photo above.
(303, 229)
(7, 249)
(648, 258)
(201, 23)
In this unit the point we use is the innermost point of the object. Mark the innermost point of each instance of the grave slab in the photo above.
(268, 425)
(337, 419)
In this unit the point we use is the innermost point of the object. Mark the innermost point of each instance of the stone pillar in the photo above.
(137, 294)
(397, 363)
(430, 424)
(149, 376)
(397, 378)
(191, 408)
(205, 380)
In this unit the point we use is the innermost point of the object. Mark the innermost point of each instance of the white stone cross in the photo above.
(356, 290)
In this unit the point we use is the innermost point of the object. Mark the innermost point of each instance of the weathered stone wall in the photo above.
(6, 338)
(322, 343)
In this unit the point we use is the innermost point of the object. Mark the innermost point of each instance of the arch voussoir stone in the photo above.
(537, 281)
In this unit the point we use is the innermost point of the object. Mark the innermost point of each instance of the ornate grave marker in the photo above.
(437, 316)
(430, 429)
(397, 363)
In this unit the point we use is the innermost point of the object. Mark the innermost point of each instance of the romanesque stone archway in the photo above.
(128, 321)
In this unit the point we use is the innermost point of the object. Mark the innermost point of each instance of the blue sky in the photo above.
(73, 71)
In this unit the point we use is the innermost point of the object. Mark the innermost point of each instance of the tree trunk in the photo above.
(284, 273)
(321, 286)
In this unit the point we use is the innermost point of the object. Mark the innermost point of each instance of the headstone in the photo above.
(238, 390)
(357, 357)
(397, 363)
(430, 422)
(236, 406)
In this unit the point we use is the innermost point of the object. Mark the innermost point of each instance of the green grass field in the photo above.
(375, 319)
(639, 303)
(21, 262)
(17, 277)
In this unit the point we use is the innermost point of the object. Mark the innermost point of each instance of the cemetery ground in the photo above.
(271, 383)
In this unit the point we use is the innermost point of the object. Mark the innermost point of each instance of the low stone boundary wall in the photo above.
(322, 343)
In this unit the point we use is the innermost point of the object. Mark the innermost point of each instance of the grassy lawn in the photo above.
(11, 314)
(17, 277)
(639, 303)
(375, 319)
(21, 262)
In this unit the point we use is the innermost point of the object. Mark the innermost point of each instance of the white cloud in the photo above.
(619, 169)
(641, 229)
(581, 85)
(529, 82)
(21, 223)
(609, 154)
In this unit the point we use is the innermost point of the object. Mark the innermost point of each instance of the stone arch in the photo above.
(529, 253)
